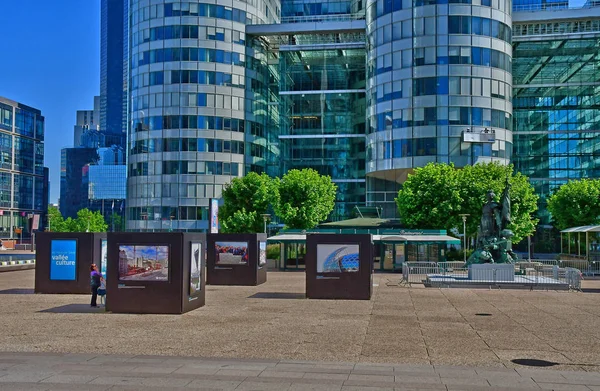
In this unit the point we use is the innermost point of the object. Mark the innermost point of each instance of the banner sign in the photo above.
(63, 259)
(479, 137)
(36, 222)
(214, 216)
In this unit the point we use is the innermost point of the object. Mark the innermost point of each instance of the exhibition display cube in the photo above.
(339, 266)
(155, 273)
(63, 260)
(236, 259)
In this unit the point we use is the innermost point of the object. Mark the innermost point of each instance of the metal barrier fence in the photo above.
(455, 273)
(587, 268)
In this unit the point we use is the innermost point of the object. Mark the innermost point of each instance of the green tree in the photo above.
(576, 203)
(245, 200)
(305, 198)
(475, 181)
(56, 222)
(435, 196)
(115, 223)
(430, 198)
(87, 221)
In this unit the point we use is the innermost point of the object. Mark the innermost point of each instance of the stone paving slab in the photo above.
(83, 372)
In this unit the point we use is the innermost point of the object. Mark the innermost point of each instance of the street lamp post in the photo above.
(464, 219)
(88, 224)
(265, 217)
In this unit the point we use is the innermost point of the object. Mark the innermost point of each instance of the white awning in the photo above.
(585, 228)
(287, 238)
(417, 238)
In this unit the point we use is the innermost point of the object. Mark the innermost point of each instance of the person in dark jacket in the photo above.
(95, 280)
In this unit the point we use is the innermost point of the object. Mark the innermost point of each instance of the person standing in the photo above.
(95, 279)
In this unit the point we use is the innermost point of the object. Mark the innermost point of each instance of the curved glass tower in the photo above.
(194, 120)
(439, 88)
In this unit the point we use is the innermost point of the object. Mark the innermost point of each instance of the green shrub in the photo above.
(273, 251)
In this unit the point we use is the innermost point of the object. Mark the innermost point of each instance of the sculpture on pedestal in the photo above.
(493, 236)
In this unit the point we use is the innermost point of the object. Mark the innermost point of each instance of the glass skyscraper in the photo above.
(113, 99)
(23, 183)
(317, 93)
(436, 74)
(197, 107)
(363, 91)
(556, 75)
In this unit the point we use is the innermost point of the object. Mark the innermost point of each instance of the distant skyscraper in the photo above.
(112, 69)
(72, 162)
(86, 119)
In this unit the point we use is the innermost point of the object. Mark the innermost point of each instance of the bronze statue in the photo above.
(490, 217)
(493, 236)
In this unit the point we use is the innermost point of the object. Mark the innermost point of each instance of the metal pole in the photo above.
(529, 248)
(587, 246)
(465, 239)
(464, 219)
(265, 225)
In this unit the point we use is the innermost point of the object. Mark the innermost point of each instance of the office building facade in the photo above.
(23, 179)
(197, 107)
(435, 73)
(556, 75)
(363, 91)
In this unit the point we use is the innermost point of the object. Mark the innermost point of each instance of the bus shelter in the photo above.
(580, 243)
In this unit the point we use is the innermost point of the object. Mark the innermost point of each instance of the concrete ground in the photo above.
(399, 325)
(92, 372)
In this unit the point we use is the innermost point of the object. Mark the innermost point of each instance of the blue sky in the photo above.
(51, 61)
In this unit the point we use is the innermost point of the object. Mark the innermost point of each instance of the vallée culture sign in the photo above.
(63, 259)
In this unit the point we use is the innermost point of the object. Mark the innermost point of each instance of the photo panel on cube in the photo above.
(337, 258)
(262, 254)
(103, 256)
(195, 269)
(63, 259)
(231, 253)
(143, 263)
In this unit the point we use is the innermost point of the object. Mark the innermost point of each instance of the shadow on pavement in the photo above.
(590, 290)
(17, 291)
(277, 295)
(75, 309)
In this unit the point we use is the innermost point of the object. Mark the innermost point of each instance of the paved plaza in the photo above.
(401, 338)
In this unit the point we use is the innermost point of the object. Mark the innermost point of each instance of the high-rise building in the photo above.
(556, 77)
(437, 76)
(198, 107)
(112, 69)
(23, 178)
(86, 120)
(94, 148)
(72, 163)
(103, 130)
(362, 90)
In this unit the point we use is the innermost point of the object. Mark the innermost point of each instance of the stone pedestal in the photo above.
(492, 272)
